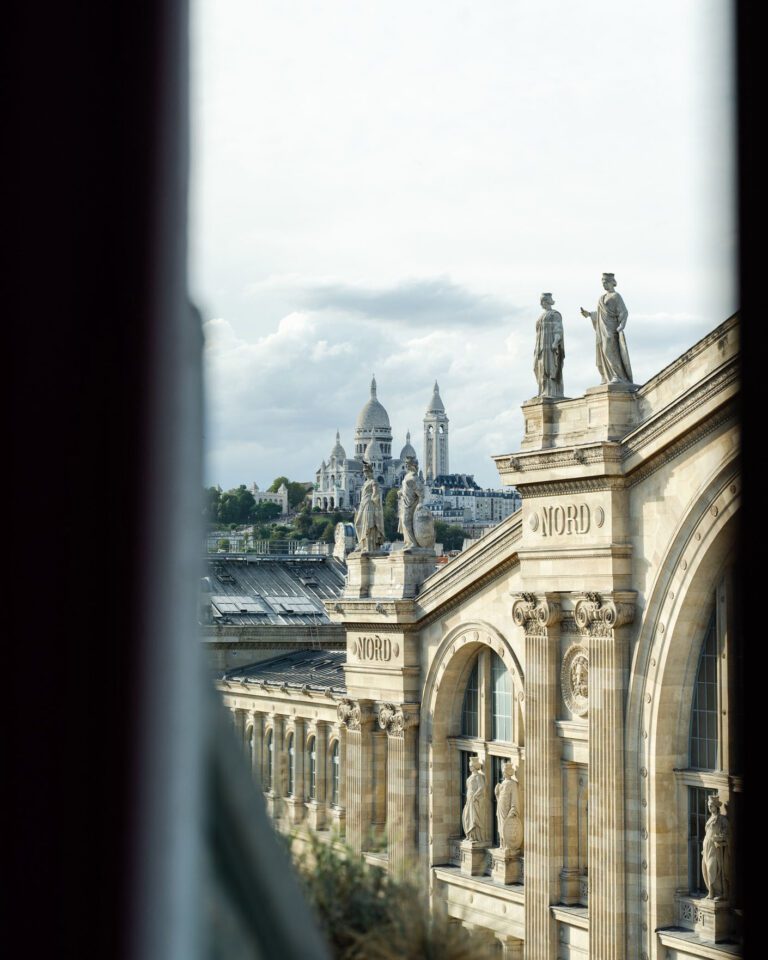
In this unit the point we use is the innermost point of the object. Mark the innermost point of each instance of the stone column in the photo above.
(238, 721)
(257, 759)
(400, 722)
(570, 875)
(318, 808)
(600, 619)
(357, 717)
(279, 772)
(539, 615)
(379, 803)
(296, 803)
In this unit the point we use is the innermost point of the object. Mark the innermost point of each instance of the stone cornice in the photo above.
(559, 488)
(481, 563)
(725, 414)
(603, 454)
(698, 395)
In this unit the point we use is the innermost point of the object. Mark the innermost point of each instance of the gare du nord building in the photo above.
(589, 639)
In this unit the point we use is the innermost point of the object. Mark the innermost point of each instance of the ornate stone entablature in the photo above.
(598, 615)
(535, 612)
(396, 719)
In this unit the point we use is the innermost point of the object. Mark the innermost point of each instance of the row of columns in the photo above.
(382, 761)
(320, 811)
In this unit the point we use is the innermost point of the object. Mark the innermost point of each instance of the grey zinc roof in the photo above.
(253, 590)
(312, 669)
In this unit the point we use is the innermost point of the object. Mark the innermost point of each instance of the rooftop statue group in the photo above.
(611, 354)
(415, 521)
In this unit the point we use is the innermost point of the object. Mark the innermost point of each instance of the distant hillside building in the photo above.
(435, 437)
(340, 478)
(264, 496)
(456, 498)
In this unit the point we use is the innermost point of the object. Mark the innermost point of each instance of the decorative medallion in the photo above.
(574, 679)
(599, 516)
(714, 511)
(396, 649)
(534, 521)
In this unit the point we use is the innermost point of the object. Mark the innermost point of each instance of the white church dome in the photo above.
(373, 414)
(338, 451)
(408, 450)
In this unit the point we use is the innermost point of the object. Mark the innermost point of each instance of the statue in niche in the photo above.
(369, 519)
(714, 853)
(549, 353)
(415, 521)
(609, 320)
(507, 814)
(472, 815)
(579, 677)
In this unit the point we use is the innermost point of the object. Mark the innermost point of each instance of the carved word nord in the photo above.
(373, 648)
(559, 520)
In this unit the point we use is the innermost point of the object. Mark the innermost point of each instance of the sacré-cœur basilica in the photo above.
(544, 728)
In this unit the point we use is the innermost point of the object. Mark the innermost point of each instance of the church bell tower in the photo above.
(435, 437)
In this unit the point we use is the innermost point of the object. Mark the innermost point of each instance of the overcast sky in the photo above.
(387, 187)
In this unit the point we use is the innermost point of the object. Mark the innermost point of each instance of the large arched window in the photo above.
(270, 760)
(711, 763)
(312, 752)
(291, 765)
(335, 773)
(489, 727)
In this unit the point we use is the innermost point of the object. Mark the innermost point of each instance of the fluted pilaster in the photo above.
(400, 723)
(600, 619)
(357, 716)
(539, 616)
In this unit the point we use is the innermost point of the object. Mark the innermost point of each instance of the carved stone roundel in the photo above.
(599, 516)
(534, 521)
(574, 679)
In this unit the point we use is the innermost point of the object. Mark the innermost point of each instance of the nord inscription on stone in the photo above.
(373, 648)
(565, 520)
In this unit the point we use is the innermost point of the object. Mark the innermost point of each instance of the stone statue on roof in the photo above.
(369, 518)
(609, 320)
(549, 353)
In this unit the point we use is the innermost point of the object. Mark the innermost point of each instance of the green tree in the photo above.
(303, 524)
(235, 505)
(211, 497)
(296, 490)
(264, 512)
(329, 532)
(223, 544)
(390, 516)
(450, 535)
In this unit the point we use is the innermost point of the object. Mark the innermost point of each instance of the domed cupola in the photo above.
(373, 424)
(373, 452)
(338, 451)
(373, 415)
(436, 403)
(408, 450)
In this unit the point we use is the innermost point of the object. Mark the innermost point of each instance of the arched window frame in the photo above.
(490, 727)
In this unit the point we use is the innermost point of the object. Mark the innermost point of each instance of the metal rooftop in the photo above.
(249, 589)
(321, 670)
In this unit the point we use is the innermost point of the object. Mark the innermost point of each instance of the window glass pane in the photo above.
(291, 766)
(470, 709)
(312, 769)
(703, 747)
(501, 700)
(335, 774)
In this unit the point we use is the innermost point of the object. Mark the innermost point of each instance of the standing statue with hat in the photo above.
(549, 352)
(609, 320)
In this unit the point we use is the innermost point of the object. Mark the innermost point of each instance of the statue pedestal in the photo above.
(709, 919)
(474, 855)
(388, 576)
(507, 866)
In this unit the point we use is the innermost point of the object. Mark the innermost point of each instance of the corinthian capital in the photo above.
(353, 713)
(396, 719)
(536, 611)
(599, 614)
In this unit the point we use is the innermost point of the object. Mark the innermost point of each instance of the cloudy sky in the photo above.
(387, 186)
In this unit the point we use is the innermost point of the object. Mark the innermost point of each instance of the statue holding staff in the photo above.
(609, 320)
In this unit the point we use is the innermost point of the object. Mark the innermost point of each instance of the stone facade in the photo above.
(589, 640)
